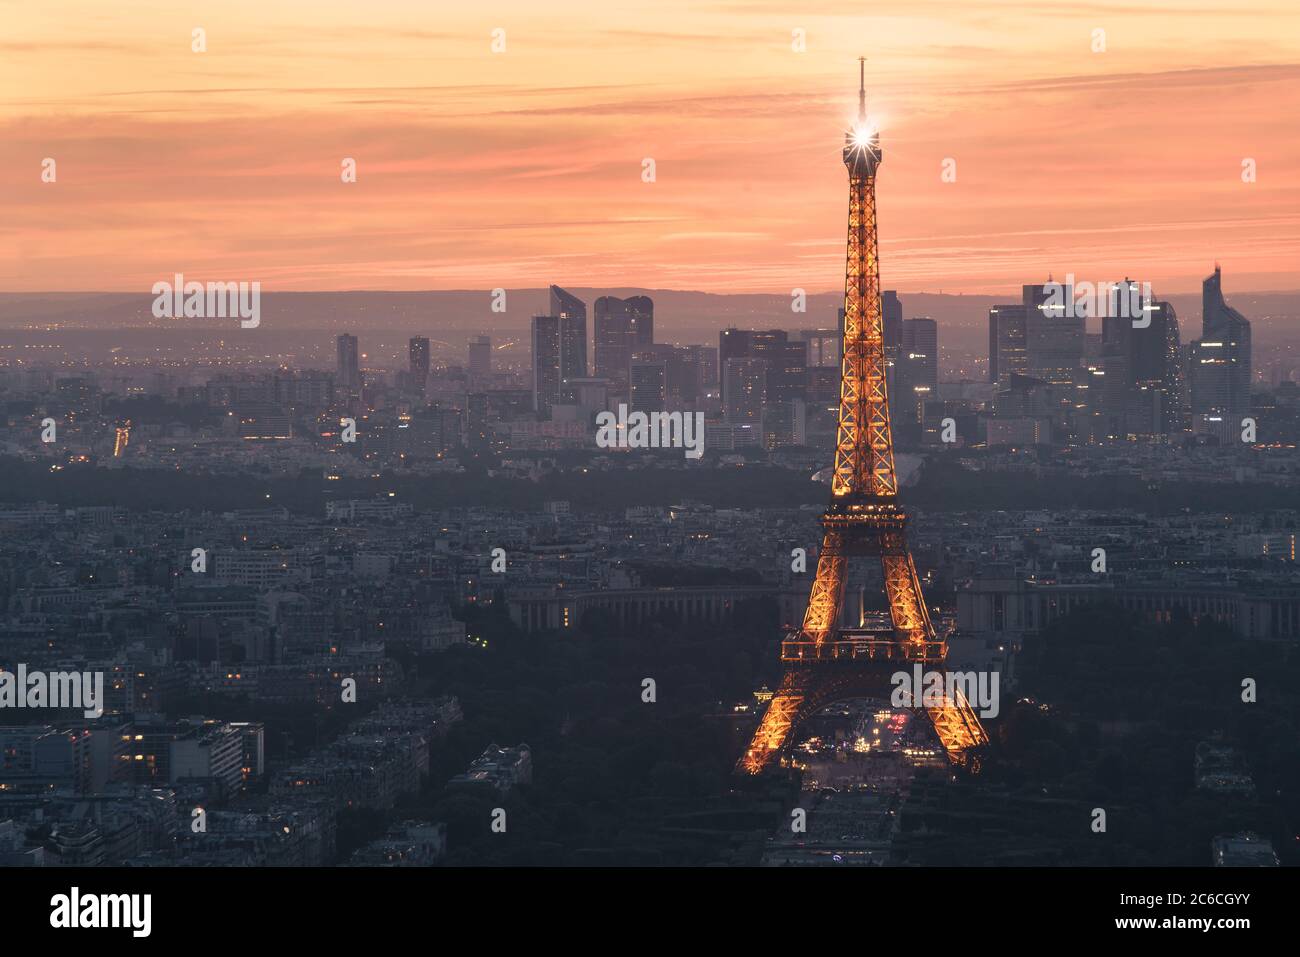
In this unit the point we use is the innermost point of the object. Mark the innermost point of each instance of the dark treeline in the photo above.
(943, 486)
(1117, 707)
(616, 780)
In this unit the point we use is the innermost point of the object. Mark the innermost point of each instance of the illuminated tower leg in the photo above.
(958, 727)
(827, 594)
(819, 621)
(906, 605)
(773, 734)
(955, 721)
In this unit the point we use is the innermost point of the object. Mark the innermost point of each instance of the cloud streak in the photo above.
(514, 169)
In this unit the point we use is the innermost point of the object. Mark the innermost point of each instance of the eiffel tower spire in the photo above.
(825, 661)
(862, 89)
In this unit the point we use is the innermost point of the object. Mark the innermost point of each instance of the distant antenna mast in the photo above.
(862, 88)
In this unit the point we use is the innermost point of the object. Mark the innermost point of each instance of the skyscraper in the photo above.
(349, 365)
(1054, 335)
(787, 373)
(732, 344)
(419, 358)
(1007, 356)
(1141, 359)
(682, 374)
(546, 363)
(572, 313)
(480, 356)
(1159, 364)
(647, 383)
(1220, 367)
(622, 327)
(891, 308)
(745, 388)
(823, 348)
(916, 369)
(559, 346)
(784, 379)
(705, 360)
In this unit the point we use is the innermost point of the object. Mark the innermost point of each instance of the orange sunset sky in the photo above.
(479, 169)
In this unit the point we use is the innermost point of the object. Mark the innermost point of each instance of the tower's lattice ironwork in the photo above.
(823, 661)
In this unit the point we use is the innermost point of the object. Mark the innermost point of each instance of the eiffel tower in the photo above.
(825, 662)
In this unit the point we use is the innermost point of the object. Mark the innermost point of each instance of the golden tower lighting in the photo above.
(825, 662)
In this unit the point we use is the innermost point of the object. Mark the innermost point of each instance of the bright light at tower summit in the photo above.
(863, 132)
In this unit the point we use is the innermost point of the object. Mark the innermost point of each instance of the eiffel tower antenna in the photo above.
(825, 661)
(862, 88)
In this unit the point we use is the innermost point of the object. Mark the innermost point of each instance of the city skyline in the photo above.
(549, 574)
(482, 169)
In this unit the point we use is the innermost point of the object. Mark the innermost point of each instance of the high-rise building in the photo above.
(1220, 361)
(1054, 334)
(824, 386)
(349, 365)
(572, 313)
(823, 347)
(1142, 364)
(480, 356)
(623, 326)
(891, 318)
(705, 360)
(546, 363)
(732, 344)
(1007, 356)
(683, 378)
(916, 369)
(891, 309)
(788, 372)
(744, 390)
(559, 347)
(784, 379)
(787, 375)
(419, 357)
(647, 383)
(1159, 365)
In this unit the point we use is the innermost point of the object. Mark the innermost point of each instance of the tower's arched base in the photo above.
(806, 690)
